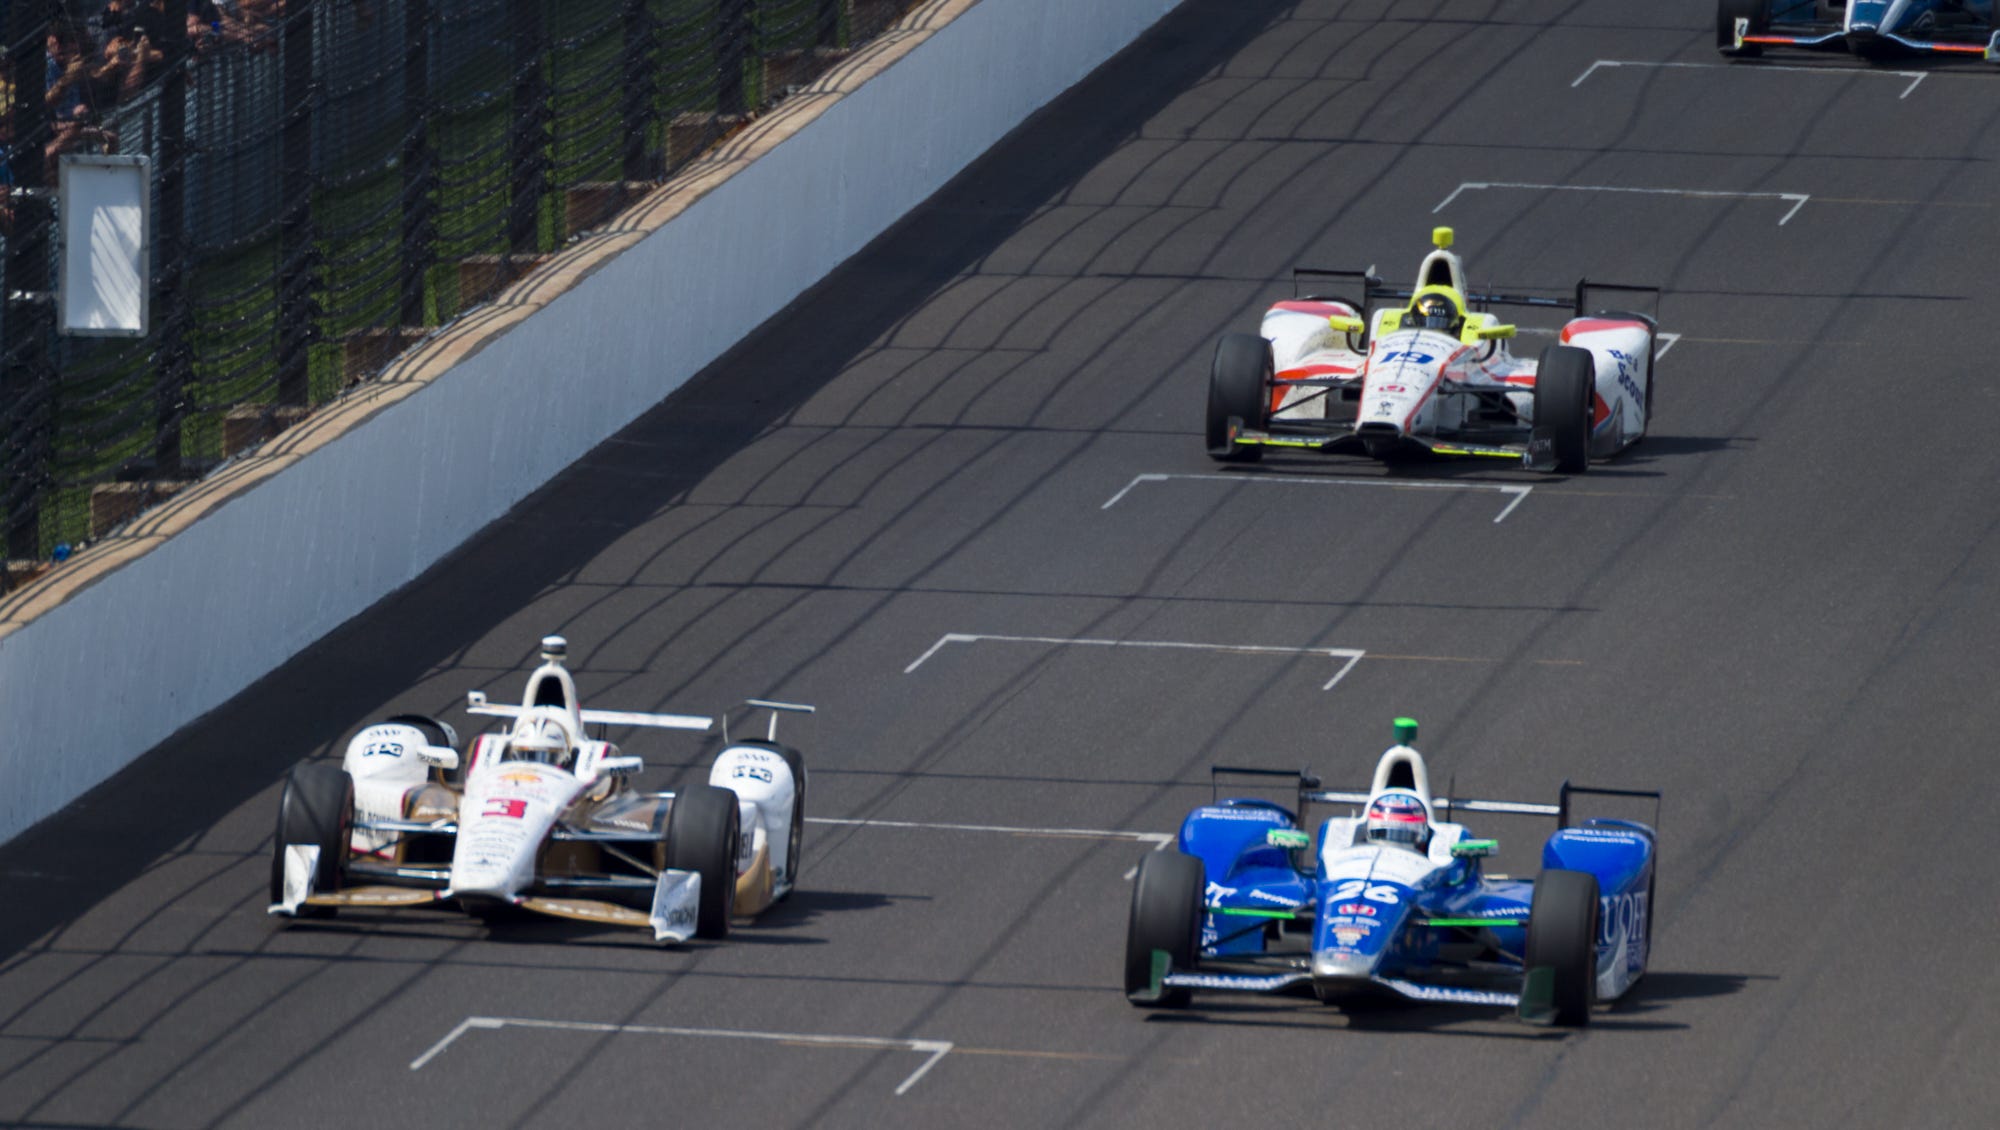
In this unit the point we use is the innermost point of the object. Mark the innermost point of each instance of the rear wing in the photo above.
(1561, 810)
(1309, 793)
(775, 709)
(1372, 288)
(475, 703)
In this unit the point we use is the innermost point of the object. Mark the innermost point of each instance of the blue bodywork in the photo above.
(1382, 917)
(1870, 28)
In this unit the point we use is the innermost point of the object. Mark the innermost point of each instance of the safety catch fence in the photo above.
(332, 179)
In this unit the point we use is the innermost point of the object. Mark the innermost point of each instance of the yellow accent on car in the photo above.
(1441, 237)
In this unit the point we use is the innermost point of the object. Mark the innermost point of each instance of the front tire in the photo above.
(1565, 384)
(317, 808)
(1562, 936)
(1239, 385)
(702, 837)
(1166, 915)
(1727, 12)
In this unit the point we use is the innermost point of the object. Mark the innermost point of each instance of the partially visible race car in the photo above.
(542, 818)
(1393, 901)
(1873, 29)
(1432, 372)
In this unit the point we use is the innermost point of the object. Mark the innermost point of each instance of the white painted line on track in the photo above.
(1352, 655)
(1915, 77)
(1519, 492)
(933, 1049)
(1670, 341)
(1798, 199)
(1156, 838)
(1159, 840)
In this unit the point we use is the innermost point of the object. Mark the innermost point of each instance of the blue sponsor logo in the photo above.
(1410, 355)
(1621, 916)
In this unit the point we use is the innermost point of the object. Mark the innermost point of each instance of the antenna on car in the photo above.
(554, 649)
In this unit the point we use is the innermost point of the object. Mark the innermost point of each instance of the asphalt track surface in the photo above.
(1779, 610)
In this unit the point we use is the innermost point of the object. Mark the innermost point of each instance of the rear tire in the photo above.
(1562, 935)
(795, 853)
(1239, 385)
(702, 837)
(1166, 915)
(317, 808)
(1727, 12)
(1565, 383)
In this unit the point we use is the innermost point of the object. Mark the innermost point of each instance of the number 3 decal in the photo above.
(514, 809)
(1359, 888)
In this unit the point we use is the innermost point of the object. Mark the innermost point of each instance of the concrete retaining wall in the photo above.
(133, 641)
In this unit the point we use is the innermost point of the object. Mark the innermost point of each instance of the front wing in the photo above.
(1165, 977)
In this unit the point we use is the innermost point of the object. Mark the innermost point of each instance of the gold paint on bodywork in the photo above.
(753, 887)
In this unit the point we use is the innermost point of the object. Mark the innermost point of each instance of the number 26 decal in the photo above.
(515, 809)
(1359, 888)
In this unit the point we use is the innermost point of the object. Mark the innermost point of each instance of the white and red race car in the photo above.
(1434, 373)
(542, 818)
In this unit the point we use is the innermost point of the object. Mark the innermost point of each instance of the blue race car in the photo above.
(1869, 28)
(1394, 901)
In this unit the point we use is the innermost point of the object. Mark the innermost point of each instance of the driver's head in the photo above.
(1399, 818)
(541, 735)
(1435, 311)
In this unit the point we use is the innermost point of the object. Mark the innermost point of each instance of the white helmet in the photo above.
(1399, 816)
(542, 734)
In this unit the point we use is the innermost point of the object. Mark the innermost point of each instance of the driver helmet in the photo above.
(541, 734)
(1434, 310)
(1399, 818)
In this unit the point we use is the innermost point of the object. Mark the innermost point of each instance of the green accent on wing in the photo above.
(1287, 838)
(1475, 847)
(1253, 912)
(1406, 731)
(1474, 923)
(1162, 962)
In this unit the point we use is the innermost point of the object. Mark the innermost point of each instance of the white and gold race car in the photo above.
(538, 816)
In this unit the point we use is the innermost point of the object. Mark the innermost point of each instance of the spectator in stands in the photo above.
(108, 22)
(204, 26)
(126, 67)
(68, 79)
(68, 91)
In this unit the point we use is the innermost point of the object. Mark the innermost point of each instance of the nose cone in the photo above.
(1335, 965)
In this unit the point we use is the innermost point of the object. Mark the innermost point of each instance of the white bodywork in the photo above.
(522, 800)
(765, 793)
(1408, 381)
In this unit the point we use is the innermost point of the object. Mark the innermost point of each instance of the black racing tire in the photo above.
(1166, 915)
(317, 807)
(1562, 935)
(795, 852)
(1727, 12)
(1565, 382)
(702, 837)
(1239, 385)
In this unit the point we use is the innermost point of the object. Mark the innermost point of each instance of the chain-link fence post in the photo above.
(172, 370)
(295, 244)
(640, 89)
(419, 233)
(528, 141)
(827, 17)
(734, 32)
(27, 376)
